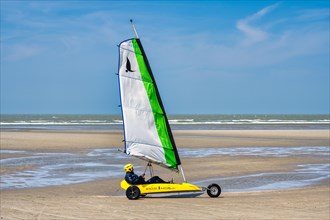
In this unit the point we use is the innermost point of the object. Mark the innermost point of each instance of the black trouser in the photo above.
(155, 179)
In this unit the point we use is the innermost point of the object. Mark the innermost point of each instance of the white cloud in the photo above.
(254, 34)
(313, 14)
(20, 51)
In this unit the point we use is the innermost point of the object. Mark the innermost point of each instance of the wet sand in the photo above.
(103, 199)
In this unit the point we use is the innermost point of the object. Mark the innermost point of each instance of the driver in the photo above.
(132, 178)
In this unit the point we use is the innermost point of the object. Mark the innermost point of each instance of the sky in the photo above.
(208, 57)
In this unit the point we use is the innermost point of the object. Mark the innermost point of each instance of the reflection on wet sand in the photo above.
(39, 169)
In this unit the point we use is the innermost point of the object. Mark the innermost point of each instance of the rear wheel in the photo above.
(133, 192)
(213, 190)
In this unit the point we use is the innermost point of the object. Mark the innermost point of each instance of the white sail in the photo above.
(146, 129)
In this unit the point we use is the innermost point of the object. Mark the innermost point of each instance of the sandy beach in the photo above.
(104, 199)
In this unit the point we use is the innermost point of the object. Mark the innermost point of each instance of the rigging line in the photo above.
(151, 170)
(145, 170)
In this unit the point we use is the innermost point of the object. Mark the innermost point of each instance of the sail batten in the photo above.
(147, 131)
(134, 142)
(130, 77)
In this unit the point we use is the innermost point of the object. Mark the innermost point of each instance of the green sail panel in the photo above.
(146, 128)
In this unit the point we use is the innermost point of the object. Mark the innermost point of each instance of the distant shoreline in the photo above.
(177, 122)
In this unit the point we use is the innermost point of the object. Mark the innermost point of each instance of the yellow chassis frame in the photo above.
(163, 187)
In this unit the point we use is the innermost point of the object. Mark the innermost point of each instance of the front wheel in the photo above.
(133, 192)
(213, 190)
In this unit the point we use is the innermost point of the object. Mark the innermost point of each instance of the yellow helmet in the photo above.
(128, 168)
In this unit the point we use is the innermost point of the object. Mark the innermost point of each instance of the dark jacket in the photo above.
(132, 178)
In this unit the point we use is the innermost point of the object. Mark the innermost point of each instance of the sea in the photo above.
(177, 122)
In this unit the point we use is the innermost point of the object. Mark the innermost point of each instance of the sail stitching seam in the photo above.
(142, 110)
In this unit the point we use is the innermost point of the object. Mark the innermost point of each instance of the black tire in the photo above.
(213, 190)
(133, 193)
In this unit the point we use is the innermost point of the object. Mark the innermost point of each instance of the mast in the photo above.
(183, 176)
(136, 34)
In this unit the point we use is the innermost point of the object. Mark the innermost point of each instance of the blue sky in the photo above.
(208, 57)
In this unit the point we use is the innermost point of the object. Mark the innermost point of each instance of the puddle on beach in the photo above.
(302, 176)
(53, 169)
